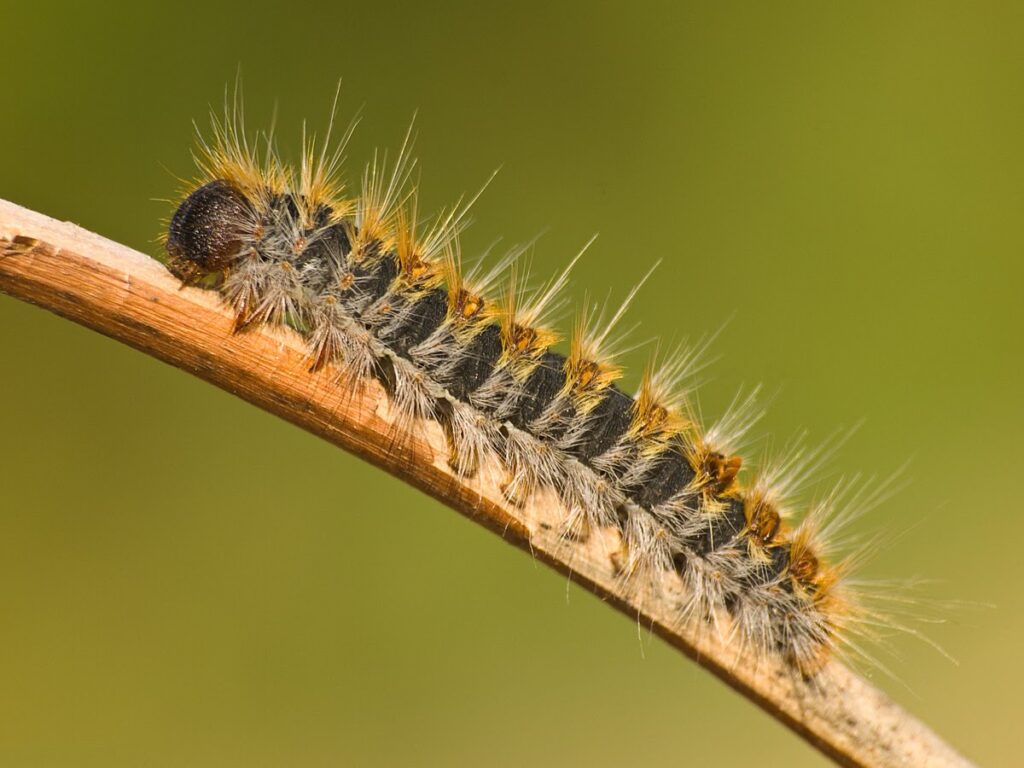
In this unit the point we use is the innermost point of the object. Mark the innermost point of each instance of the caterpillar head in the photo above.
(207, 231)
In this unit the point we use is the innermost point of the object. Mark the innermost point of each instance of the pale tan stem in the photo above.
(128, 296)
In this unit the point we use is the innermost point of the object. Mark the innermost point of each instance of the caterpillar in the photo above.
(379, 293)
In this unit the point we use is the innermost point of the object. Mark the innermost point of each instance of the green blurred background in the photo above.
(189, 581)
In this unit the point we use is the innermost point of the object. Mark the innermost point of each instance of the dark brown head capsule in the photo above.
(206, 231)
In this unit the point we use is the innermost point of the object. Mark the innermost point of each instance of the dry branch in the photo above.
(130, 297)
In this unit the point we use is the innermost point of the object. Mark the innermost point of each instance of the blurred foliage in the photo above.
(189, 581)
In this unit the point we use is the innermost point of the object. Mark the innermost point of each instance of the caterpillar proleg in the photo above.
(380, 294)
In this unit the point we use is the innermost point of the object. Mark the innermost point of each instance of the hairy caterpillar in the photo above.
(379, 296)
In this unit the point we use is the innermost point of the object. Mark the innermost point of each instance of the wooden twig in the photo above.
(130, 297)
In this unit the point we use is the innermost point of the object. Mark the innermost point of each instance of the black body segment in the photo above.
(541, 388)
(373, 278)
(422, 320)
(605, 424)
(478, 361)
(775, 568)
(722, 528)
(329, 246)
(671, 473)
